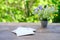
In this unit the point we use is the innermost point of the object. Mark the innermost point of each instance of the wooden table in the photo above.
(52, 32)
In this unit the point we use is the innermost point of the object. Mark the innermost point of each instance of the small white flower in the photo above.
(52, 9)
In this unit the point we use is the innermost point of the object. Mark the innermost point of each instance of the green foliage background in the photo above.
(21, 10)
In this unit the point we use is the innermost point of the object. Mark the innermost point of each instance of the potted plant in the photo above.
(45, 13)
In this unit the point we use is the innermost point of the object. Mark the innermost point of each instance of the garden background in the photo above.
(22, 10)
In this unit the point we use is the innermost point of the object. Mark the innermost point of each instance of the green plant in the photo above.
(45, 12)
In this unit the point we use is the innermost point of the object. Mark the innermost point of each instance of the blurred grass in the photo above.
(21, 10)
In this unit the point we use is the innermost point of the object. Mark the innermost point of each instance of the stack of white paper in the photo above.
(23, 31)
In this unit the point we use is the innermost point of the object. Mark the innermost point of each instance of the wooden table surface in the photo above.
(52, 32)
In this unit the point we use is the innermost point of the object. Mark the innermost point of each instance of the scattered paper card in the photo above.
(20, 31)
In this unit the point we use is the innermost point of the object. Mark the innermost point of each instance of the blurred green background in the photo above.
(22, 10)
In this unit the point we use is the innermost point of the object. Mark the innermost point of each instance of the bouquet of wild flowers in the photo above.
(45, 12)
